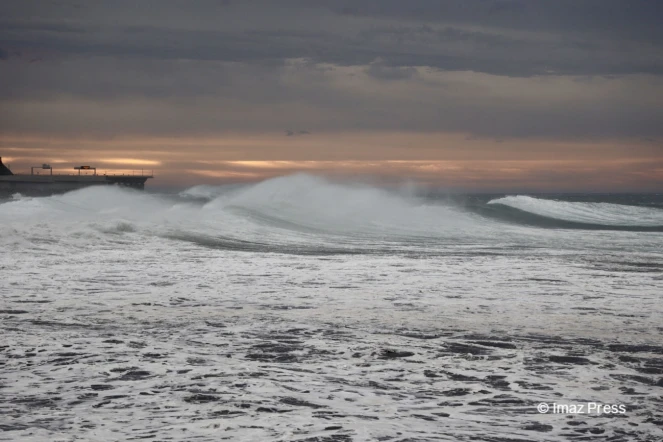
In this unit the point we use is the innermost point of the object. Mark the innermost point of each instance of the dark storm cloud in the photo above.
(636, 19)
(23, 26)
(496, 68)
(562, 37)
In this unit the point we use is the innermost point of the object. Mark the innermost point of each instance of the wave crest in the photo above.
(602, 214)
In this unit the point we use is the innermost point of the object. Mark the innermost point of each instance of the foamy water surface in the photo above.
(303, 309)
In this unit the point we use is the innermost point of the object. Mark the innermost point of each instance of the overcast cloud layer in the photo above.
(494, 69)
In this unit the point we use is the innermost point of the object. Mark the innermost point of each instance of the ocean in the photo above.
(305, 309)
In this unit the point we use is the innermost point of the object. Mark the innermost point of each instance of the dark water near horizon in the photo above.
(304, 309)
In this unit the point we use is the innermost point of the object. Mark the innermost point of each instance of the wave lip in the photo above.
(601, 214)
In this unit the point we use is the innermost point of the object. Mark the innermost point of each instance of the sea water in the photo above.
(301, 308)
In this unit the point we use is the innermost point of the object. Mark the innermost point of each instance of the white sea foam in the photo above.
(314, 202)
(296, 211)
(283, 210)
(299, 308)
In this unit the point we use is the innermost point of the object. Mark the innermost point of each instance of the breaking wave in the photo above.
(301, 212)
(317, 204)
(586, 213)
(305, 214)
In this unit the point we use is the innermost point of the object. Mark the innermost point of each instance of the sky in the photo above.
(477, 95)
